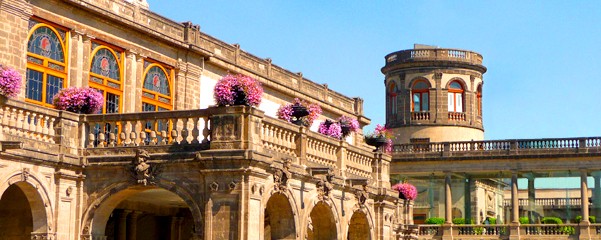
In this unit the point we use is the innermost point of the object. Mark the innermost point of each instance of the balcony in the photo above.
(59, 136)
(420, 116)
(464, 58)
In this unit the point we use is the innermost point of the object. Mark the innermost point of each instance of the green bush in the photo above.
(551, 220)
(591, 219)
(459, 221)
(492, 220)
(524, 220)
(435, 220)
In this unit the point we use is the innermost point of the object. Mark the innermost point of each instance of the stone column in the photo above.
(130, 81)
(467, 199)
(121, 224)
(597, 194)
(531, 196)
(514, 226)
(132, 225)
(176, 225)
(584, 224)
(448, 203)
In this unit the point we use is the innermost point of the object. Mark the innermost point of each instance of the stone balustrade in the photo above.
(434, 54)
(236, 128)
(420, 116)
(500, 145)
(547, 202)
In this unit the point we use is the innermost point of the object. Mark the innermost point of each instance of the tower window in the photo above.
(455, 97)
(479, 100)
(392, 98)
(420, 96)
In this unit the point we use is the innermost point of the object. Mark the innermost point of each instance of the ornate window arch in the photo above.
(391, 92)
(420, 96)
(479, 100)
(456, 96)
(106, 74)
(46, 62)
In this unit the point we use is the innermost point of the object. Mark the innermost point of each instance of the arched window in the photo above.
(479, 100)
(420, 96)
(392, 98)
(455, 97)
(46, 62)
(156, 92)
(106, 76)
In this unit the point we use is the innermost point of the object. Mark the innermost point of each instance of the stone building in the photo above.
(159, 162)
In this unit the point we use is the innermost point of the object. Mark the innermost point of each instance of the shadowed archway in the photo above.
(359, 227)
(22, 213)
(322, 224)
(279, 218)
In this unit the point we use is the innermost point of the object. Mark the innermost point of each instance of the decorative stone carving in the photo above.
(324, 186)
(69, 191)
(142, 171)
(232, 185)
(25, 174)
(214, 186)
(362, 195)
(281, 176)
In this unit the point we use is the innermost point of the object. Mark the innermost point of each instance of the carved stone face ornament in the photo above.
(141, 170)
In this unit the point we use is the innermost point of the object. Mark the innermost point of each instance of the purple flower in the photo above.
(407, 189)
(229, 87)
(331, 129)
(10, 81)
(285, 111)
(79, 100)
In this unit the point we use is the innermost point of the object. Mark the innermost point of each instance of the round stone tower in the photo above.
(434, 94)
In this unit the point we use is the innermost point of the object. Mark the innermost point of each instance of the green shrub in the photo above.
(459, 221)
(551, 220)
(591, 219)
(492, 220)
(435, 220)
(524, 220)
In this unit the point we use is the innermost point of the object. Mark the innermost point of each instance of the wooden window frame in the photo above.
(421, 96)
(455, 92)
(118, 53)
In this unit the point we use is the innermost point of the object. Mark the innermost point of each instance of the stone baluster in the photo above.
(112, 139)
(195, 130)
(101, 139)
(6, 119)
(19, 125)
(143, 136)
(13, 121)
(205, 131)
(27, 120)
(185, 131)
(153, 138)
(136, 133)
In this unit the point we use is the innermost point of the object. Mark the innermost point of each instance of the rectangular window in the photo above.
(416, 103)
(458, 102)
(112, 103)
(35, 80)
(426, 100)
(53, 85)
(451, 102)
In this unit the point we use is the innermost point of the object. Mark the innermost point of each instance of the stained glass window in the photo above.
(156, 90)
(156, 81)
(105, 75)
(46, 62)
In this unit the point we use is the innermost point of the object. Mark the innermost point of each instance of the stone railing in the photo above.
(499, 145)
(420, 116)
(547, 202)
(456, 116)
(434, 54)
(504, 231)
(28, 121)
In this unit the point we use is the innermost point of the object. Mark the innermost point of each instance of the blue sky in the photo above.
(544, 70)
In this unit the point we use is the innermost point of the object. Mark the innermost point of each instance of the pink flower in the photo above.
(285, 111)
(10, 81)
(229, 87)
(331, 129)
(79, 100)
(408, 190)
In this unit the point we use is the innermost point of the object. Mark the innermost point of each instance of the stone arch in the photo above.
(460, 81)
(281, 215)
(37, 197)
(360, 225)
(326, 210)
(98, 212)
(410, 83)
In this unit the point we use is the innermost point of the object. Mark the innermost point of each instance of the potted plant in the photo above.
(331, 129)
(406, 190)
(10, 82)
(79, 100)
(238, 90)
(300, 112)
(380, 137)
(348, 125)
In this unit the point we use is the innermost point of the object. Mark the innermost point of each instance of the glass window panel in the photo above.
(148, 95)
(156, 80)
(35, 60)
(34, 83)
(392, 87)
(105, 63)
(458, 102)
(425, 102)
(451, 102)
(112, 103)
(420, 85)
(45, 42)
(53, 85)
(455, 85)
(416, 103)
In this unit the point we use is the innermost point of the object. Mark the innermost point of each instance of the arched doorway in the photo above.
(22, 213)
(142, 212)
(322, 225)
(359, 227)
(279, 219)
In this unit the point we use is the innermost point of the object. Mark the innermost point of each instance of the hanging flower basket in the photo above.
(79, 100)
(380, 138)
(331, 129)
(10, 82)
(348, 125)
(300, 112)
(238, 90)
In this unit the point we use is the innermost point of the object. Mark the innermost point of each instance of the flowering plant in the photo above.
(331, 129)
(380, 133)
(287, 112)
(10, 81)
(238, 90)
(406, 190)
(79, 100)
(348, 125)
